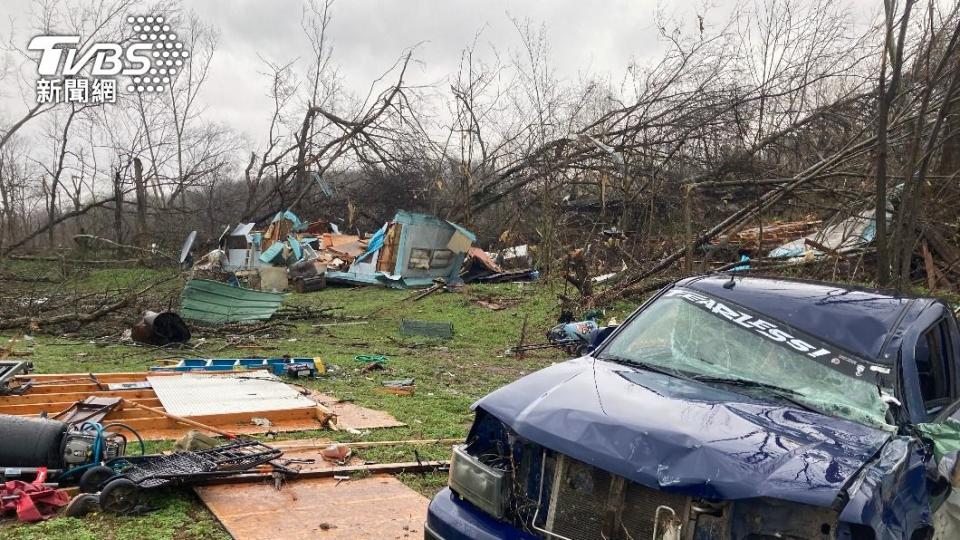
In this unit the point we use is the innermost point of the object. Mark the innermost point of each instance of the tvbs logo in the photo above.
(150, 59)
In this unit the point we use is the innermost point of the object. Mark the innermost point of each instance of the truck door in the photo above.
(930, 364)
(936, 367)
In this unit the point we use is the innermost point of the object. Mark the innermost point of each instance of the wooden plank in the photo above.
(376, 468)
(120, 376)
(296, 444)
(181, 420)
(73, 397)
(87, 388)
(373, 507)
(37, 408)
(352, 416)
(111, 377)
(170, 431)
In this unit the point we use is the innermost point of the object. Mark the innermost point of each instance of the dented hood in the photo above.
(683, 436)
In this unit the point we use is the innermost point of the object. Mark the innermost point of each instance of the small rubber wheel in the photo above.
(82, 505)
(94, 477)
(119, 496)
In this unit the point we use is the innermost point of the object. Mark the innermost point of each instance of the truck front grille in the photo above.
(587, 503)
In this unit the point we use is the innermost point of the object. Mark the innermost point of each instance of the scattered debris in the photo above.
(194, 440)
(92, 409)
(337, 453)
(216, 303)
(8, 373)
(402, 387)
(310, 284)
(513, 264)
(841, 237)
(770, 235)
(442, 330)
(31, 502)
(295, 367)
(160, 329)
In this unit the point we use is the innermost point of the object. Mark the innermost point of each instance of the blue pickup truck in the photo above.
(725, 408)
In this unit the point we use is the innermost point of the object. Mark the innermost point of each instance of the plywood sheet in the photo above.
(199, 395)
(351, 415)
(373, 507)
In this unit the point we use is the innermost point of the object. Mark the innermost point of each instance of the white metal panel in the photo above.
(196, 395)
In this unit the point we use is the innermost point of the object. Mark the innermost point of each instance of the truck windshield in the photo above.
(683, 335)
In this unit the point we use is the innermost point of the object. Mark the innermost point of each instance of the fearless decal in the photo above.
(774, 333)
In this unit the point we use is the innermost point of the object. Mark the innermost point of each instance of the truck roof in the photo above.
(857, 319)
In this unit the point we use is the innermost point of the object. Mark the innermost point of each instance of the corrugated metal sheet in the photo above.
(243, 229)
(200, 395)
(214, 302)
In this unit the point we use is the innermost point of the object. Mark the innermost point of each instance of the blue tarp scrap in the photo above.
(375, 242)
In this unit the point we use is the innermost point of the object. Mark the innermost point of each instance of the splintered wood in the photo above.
(378, 506)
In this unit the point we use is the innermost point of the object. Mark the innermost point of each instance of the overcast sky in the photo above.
(596, 37)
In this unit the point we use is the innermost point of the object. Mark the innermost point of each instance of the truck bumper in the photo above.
(450, 518)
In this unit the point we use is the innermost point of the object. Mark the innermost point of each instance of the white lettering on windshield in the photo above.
(770, 330)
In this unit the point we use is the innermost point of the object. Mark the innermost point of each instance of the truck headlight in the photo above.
(483, 485)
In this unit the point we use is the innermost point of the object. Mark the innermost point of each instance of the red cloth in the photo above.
(34, 502)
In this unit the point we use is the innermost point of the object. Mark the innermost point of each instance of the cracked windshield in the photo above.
(675, 335)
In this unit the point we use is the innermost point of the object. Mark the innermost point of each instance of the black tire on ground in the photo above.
(82, 505)
(119, 496)
(94, 477)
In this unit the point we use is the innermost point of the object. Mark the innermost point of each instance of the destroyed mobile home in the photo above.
(726, 408)
(412, 250)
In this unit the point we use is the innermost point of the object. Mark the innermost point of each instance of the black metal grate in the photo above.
(153, 471)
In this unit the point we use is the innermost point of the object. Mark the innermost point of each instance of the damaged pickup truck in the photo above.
(725, 408)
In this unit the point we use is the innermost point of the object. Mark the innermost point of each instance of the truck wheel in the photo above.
(119, 496)
(94, 477)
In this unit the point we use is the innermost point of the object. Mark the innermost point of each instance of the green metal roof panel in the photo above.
(214, 302)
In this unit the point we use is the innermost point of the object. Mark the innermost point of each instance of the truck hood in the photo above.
(683, 436)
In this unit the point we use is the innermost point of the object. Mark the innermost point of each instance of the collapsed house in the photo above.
(412, 250)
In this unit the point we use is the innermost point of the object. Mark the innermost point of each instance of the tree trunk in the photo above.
(141, 189)
(118, 206)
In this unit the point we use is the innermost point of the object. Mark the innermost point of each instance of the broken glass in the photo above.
(676, 334)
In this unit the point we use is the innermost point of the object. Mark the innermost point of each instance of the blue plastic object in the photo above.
(277, 366)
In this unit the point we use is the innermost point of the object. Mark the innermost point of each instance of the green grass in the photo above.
(181, 515)
(449, 375)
